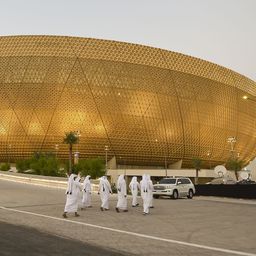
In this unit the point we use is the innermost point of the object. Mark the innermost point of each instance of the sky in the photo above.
(220, 31)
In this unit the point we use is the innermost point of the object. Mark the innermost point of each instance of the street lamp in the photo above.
(165, 165)
(56, 150)
(232, 141)
(209, 156)
(106, 159)
(76, 154)
(8, 153)
(245, 97)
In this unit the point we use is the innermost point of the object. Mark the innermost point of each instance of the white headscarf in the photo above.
(103, 182)
(148, 177)
(133, 183)
(120, 181)
(144, 183)
(87, 178)
(70, 183)
(86, 181)
(134, 180)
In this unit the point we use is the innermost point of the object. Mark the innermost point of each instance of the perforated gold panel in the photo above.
(150, 106)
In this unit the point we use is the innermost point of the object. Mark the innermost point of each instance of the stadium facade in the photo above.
(151, 107)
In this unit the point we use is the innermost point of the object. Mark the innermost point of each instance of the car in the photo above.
(174, 187)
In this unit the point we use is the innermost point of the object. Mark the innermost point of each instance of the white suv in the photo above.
(175, 188)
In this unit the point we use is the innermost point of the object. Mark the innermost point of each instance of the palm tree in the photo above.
(235, 165)
(70, 139)
(197, 163)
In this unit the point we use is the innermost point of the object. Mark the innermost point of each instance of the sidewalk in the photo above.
(226, 200)
(46, 181)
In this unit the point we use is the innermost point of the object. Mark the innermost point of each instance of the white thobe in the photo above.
(105, 190)
(146, 186)
(122, 196)
(87, 197)
(73, 198)
(134, 186)
(151, 193)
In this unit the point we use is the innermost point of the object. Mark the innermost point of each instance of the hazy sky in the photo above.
(220, 31)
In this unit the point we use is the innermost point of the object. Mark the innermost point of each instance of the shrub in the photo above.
(23, 165)
(5, 167)
(50, 167)
(92, 166)
(41, 164)
(62, 172)
(44, 164)
(113, 187)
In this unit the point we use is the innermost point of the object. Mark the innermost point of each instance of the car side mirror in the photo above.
(179, 182)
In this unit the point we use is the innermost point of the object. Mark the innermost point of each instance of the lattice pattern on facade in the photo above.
(148, 105)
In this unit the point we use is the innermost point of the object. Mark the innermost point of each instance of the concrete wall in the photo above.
(204, 173)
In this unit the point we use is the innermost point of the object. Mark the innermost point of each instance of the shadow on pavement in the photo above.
(20, 240)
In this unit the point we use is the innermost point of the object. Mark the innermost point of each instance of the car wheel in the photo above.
(190, 194)
(156, 196)
(175, 194)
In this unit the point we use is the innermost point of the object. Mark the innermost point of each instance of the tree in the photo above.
(235, 165)
(197, 163)
(70, 139)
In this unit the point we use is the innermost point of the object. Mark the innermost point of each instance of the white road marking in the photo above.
(62, 185)
(226, 200)
(134, 234)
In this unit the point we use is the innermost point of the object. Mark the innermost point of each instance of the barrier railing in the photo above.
(247, 191)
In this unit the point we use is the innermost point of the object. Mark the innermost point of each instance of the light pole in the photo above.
(165, 165)
(232, 141)
(8, 153)
(56, 150)
(209, 156)
(76, 154)
(106, 159)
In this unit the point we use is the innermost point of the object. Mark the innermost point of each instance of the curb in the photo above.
(39, 182)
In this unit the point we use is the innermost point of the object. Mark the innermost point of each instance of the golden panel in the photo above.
(148, 105)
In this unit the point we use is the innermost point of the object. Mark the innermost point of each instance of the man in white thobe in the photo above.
(87, 197)
(151, 187)
(121, 194)
(145, 186)
(72, 192)
(104, 191)
(134, 187)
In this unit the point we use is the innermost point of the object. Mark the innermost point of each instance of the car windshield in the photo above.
(167, 181)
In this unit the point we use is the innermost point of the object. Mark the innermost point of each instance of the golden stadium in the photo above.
(151, 107)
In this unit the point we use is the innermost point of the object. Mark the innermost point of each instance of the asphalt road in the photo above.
(19, 240)
(31, 223)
